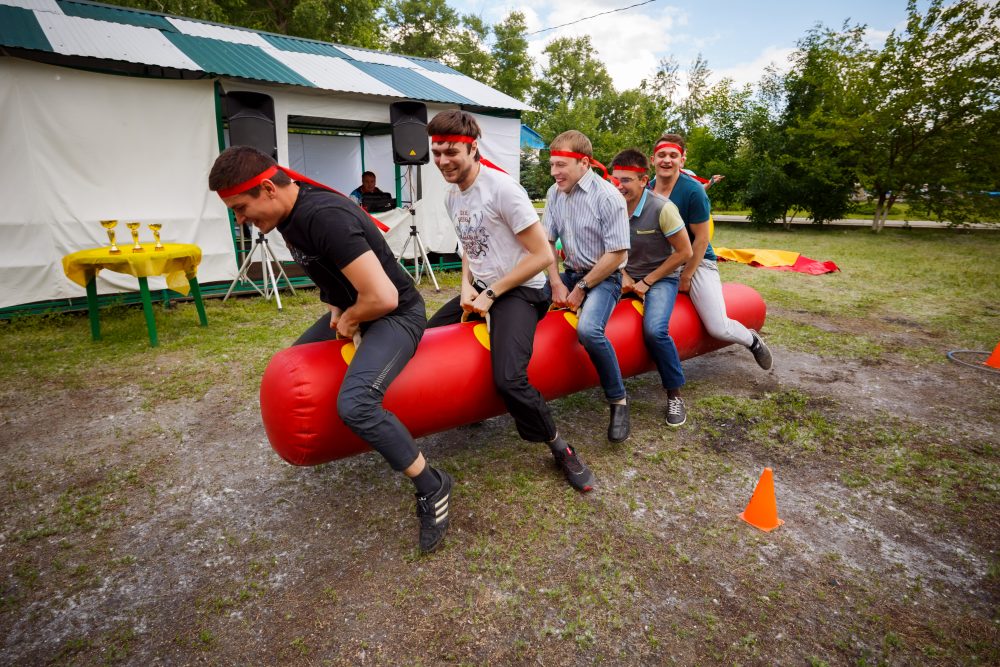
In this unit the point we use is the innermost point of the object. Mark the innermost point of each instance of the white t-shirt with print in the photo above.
(487, 218)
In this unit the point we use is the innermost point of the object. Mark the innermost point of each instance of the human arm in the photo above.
(698, 248)
(672, 227)
(628, 282)
(559, 291)
(606, 264)
(539, 258)
(468, 292)
(377, 295)
(335, 314)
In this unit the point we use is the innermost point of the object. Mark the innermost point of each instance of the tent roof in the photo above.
(88, 34)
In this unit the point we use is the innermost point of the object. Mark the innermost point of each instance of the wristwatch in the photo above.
(490, 293)
(583, 286)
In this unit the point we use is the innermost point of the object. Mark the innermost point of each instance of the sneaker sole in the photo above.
(678, 425)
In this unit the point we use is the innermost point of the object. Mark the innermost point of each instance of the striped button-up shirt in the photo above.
(591, 220)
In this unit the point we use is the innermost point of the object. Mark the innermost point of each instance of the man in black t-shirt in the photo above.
(366, 291)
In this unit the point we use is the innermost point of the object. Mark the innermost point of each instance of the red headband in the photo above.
(294, 175)
(463, 139)
(623, 167)
(248, 184)
(667, 144)
(580, 156)
(452, 139)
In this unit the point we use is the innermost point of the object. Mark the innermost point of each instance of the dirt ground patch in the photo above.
(172, 534)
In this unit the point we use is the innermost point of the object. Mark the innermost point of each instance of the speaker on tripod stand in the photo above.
(251, 123)
(411, 147)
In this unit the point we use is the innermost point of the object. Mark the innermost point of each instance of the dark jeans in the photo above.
(513, 319)
(387, 345)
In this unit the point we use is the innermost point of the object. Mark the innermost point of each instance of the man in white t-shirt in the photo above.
(505, 253)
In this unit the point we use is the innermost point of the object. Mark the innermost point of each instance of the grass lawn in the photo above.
(146, 520)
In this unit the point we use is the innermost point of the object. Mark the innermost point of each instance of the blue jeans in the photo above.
(593, 316)
(657, 308)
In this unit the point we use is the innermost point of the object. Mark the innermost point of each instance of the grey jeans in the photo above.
(706, 295)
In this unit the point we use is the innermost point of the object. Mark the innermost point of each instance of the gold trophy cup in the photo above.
(109, 225)
(134, 228)
(156, 227)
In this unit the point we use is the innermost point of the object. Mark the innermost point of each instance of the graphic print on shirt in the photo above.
(475, 239)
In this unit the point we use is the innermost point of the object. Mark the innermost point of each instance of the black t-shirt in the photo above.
(327, 231)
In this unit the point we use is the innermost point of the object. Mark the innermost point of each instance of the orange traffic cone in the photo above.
(994, 360)
(762, 510)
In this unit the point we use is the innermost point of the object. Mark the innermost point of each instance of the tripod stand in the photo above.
(267, 272)
(419, 251)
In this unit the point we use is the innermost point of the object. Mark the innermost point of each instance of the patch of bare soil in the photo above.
(172, 534)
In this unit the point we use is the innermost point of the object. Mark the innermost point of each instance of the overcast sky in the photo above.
(738, 38)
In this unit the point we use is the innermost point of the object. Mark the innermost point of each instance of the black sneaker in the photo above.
(433, 514)
(760, 351)
(576, 471)
(677, 414)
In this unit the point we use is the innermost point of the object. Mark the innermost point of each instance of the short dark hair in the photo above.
(455, 121)
(368, 173)
(630, 157)
(238, 164)
(575, 141)
(672, 139)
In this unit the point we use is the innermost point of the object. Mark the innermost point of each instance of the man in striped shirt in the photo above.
(589, 216)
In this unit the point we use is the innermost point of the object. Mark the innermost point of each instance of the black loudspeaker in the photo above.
(251, 121)
(409, 133)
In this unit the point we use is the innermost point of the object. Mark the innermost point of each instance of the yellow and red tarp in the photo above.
(779, 260)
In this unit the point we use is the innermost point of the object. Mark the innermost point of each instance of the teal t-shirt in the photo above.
(692, 202)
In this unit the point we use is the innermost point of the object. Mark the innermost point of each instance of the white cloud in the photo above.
(629, 43)
(751, 71)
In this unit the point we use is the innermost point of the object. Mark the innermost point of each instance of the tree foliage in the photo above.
(510, 56)
(916, 118)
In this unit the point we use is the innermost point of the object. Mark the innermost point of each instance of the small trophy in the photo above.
(155, 227)
(110, 226)
(134, 228)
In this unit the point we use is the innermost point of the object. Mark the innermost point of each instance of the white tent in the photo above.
(82, 143)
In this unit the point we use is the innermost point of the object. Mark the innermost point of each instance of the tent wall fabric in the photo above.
(84, 144)
(81, 147)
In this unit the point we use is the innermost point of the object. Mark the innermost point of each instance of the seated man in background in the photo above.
(367, 187)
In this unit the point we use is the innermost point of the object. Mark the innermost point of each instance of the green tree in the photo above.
(574, 72)
(422, 27)
(466, 53)
(351, 22)
(931, 128)
(822, 119)
(692, 107)
(510, 55)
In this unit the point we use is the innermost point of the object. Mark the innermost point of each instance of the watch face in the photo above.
(491, 294)
(582, 285)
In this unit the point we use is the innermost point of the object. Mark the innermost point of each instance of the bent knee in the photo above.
(357, 410)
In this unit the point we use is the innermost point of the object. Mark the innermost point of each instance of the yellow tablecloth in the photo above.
(762, 256)
(177, 261)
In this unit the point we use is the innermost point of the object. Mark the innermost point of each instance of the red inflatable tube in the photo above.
(448, 382)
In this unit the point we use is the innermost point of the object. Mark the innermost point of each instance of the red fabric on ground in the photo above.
(803, 264)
